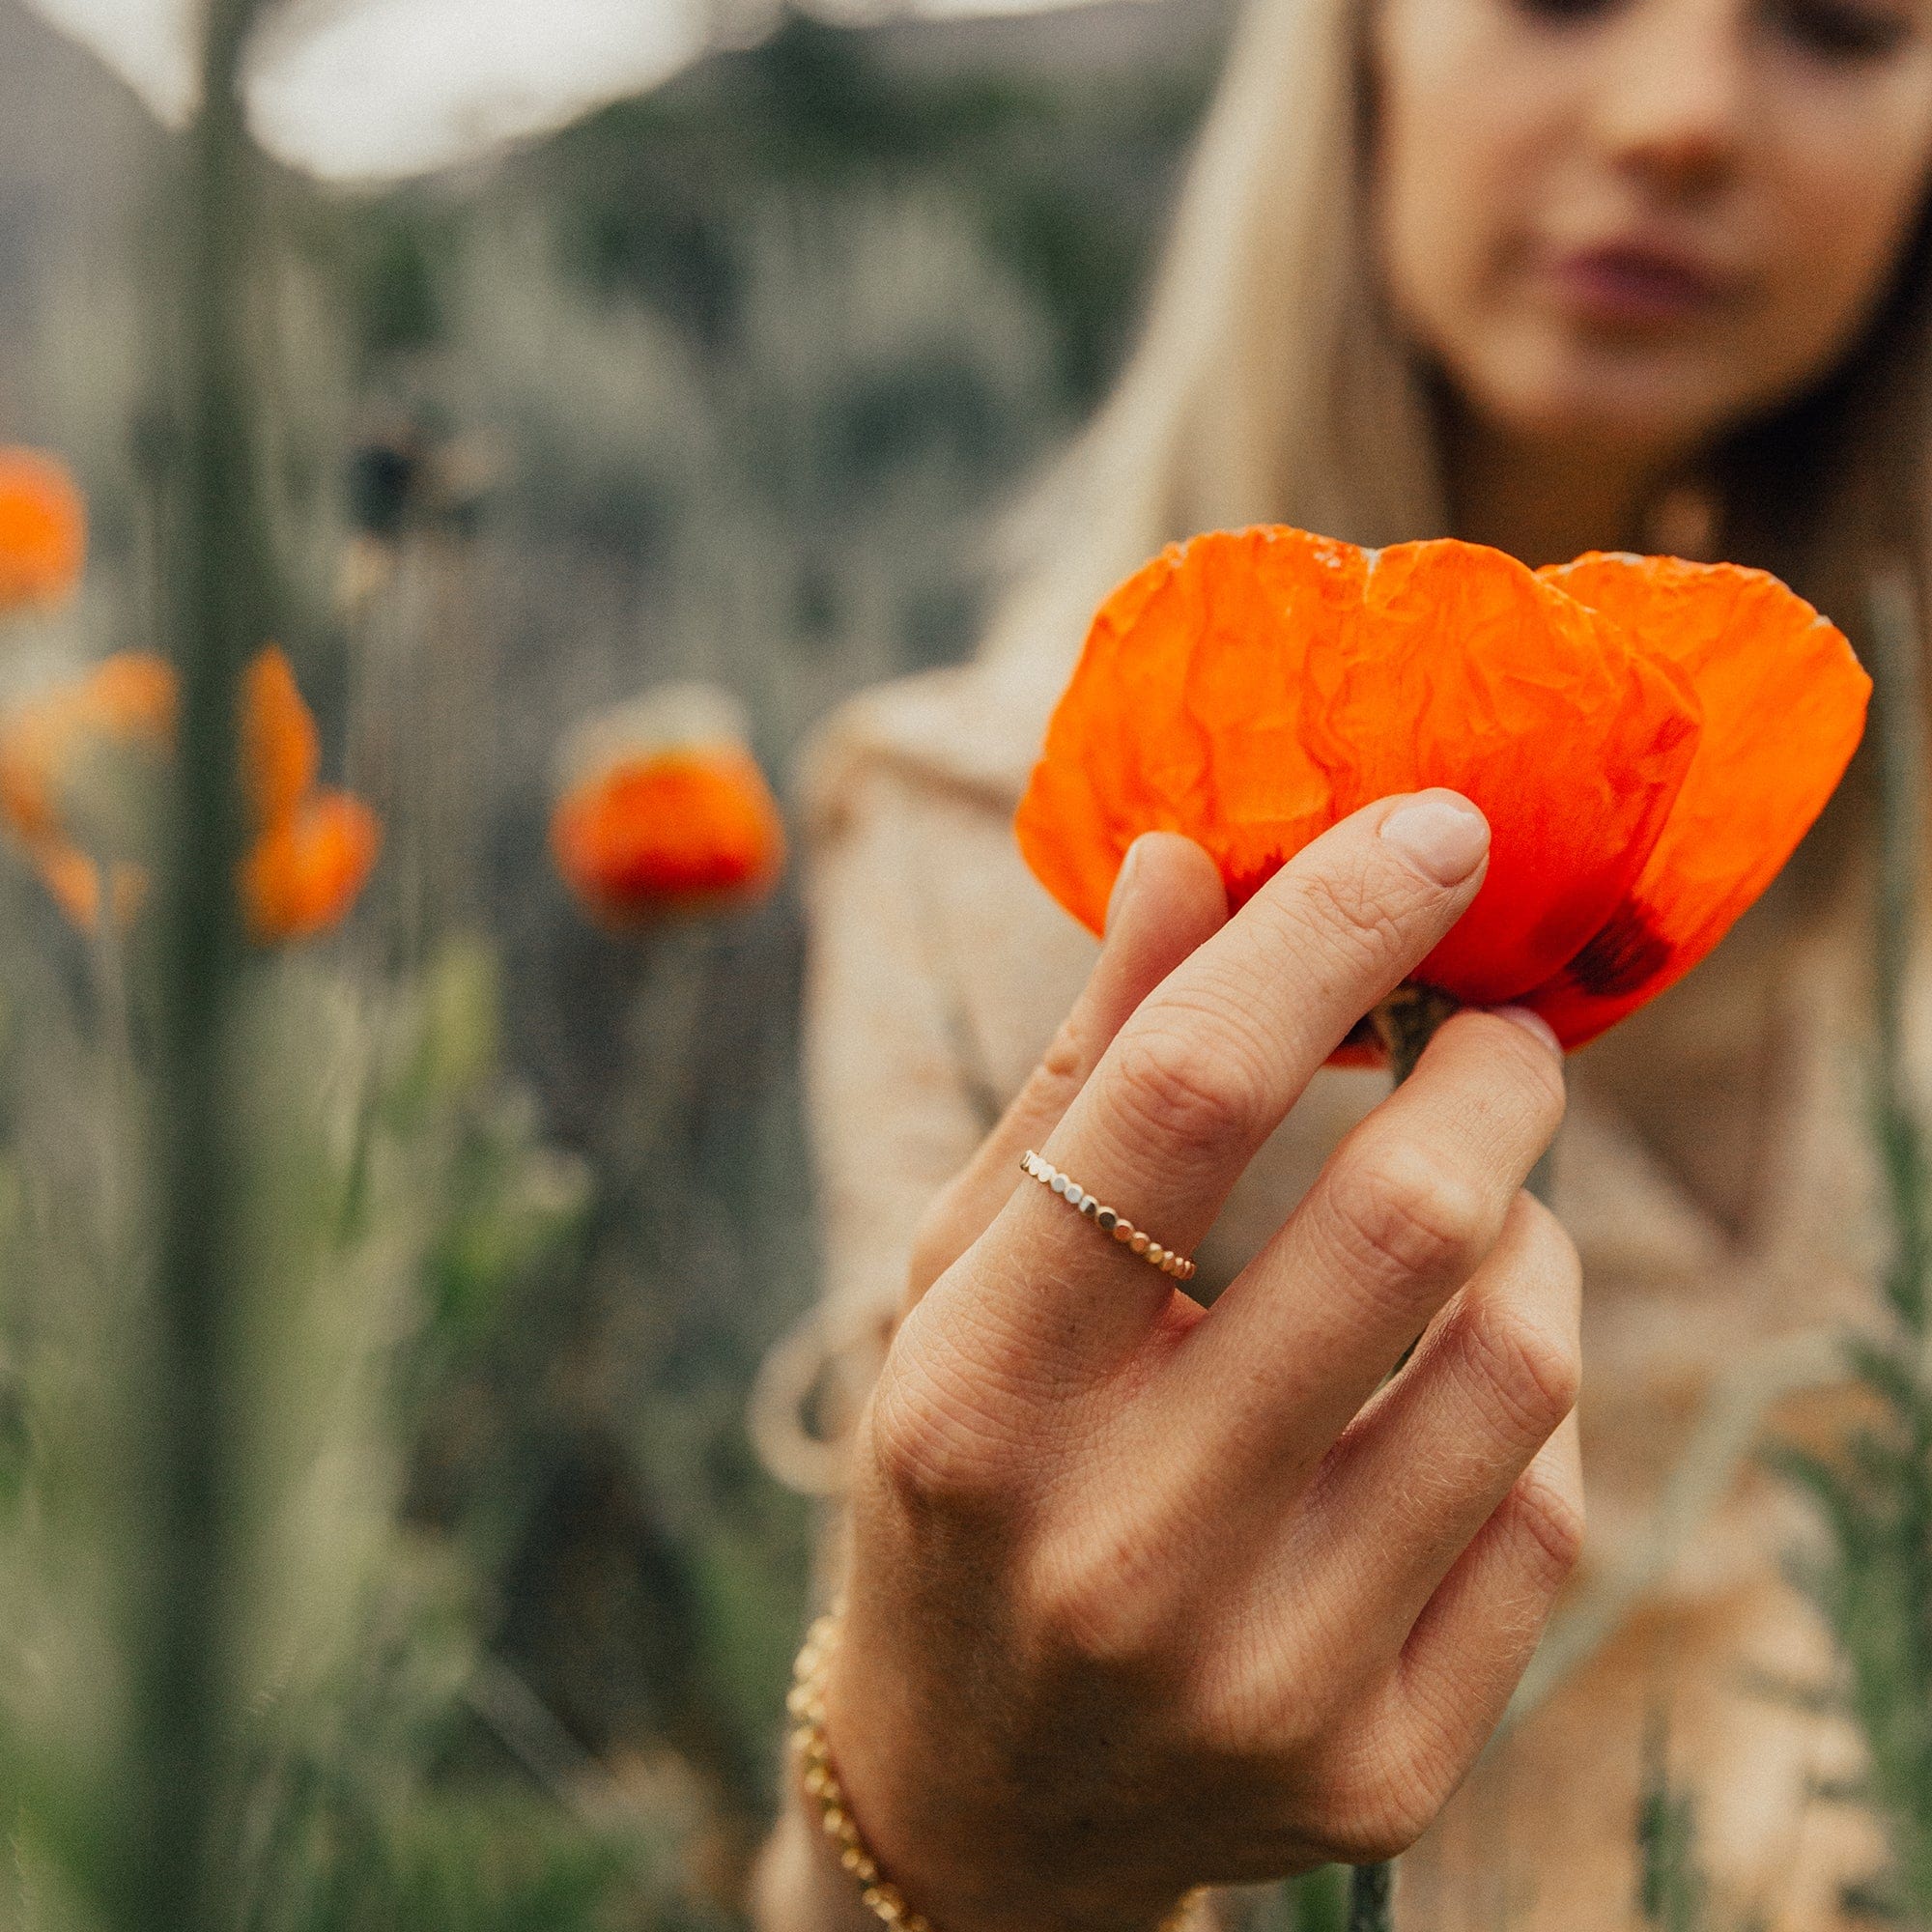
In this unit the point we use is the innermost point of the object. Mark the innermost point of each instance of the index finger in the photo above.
(1211, 1062)
(1168, 900)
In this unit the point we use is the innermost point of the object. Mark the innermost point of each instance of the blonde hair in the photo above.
(1272, 385)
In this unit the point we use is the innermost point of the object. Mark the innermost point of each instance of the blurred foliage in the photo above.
(725, 383)
(1062, 177)
(1872, 1577)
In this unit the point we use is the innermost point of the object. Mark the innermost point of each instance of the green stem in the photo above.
(212, 607)
(1899, 714)
(1372, 1897)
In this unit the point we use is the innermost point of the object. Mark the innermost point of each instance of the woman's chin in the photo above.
(1609, 412)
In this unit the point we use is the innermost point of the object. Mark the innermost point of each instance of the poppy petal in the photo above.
(281, 749)
(305, 872)
(1784, 701)
(43, 530)
(1250, 688)
(1464, 672)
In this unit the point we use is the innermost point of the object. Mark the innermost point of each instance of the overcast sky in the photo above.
(378, 89)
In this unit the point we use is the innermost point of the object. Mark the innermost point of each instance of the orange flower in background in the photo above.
(281, 749)
(662, 809)
(49, 750)
(43, 530)
(1649, 739)
(303, 873)
(311, 849)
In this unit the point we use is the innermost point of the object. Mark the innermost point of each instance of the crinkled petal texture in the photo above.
(1784, 707)
(1249, 688)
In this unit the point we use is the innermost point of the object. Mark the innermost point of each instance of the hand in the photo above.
(1144, 1595)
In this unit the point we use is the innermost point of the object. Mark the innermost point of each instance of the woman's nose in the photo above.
(1673, 105)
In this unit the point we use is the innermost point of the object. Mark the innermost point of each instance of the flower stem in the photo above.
(1407, 1022)
(1371, 1896)
(213, 609)
(1899, 715)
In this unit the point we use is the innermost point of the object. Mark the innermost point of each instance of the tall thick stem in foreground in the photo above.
(212, 608)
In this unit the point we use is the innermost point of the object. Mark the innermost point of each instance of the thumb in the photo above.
(1167, 900)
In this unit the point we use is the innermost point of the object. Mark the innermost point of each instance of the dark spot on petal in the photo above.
(1626, 954)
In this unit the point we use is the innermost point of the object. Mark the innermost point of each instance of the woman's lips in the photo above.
(1634, 284)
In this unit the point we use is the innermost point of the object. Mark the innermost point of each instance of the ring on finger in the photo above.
(1109, 1220)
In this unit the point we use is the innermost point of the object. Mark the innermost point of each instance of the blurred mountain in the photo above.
(70, 137)
(1056, 136)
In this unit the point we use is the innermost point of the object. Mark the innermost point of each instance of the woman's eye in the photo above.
(1841, 30)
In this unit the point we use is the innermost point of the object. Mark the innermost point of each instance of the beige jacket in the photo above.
(1712, 1172)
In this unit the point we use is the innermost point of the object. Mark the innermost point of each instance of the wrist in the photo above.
(915, 1875)
(799, 1884)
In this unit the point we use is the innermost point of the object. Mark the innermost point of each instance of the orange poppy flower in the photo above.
(304, 871)
(43, 530)
(1249, 688)
(125, 705)
(664, 810)
(311, 850)
(126, 702)
(281, 749)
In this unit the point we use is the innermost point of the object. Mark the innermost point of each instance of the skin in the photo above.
(1780, 146)
(1143, 1595)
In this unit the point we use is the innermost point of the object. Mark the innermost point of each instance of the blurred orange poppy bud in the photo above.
(1609, 716)
(662, 809)
(43, 530)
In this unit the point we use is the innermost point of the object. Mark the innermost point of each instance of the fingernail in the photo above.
(1123, 882)
(1443, 834)
(1531, 1022)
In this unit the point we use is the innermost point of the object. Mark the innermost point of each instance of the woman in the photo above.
(1139, 1598)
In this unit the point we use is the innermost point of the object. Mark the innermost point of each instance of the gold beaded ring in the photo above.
(807, 1704)
(1109, 1220)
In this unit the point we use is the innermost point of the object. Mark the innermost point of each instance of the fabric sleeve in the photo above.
(893, 1104)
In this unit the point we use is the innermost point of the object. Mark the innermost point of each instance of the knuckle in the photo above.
(1327, 906)
(1378, 1813)
(1552, 1521)
(1526, 1374)
(1097, 1603)
(1190, 1078)
(1400, 1206)
(1064, 1060)
(936, 1446)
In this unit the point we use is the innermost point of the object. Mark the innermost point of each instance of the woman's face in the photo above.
(1634, 222)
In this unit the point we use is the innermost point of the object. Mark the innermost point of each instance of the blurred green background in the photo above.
(728, 382)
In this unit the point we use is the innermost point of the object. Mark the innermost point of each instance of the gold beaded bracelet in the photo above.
(807, 1705)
